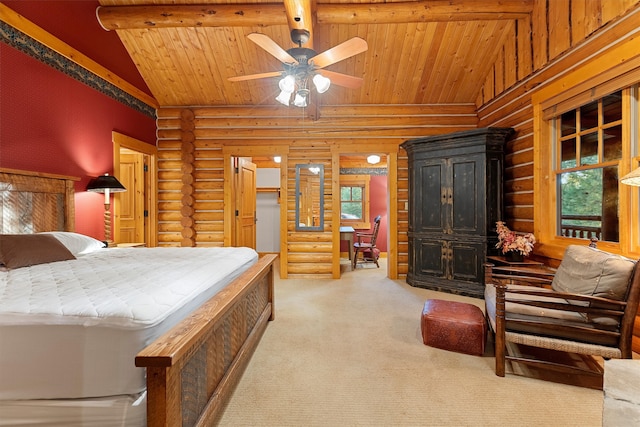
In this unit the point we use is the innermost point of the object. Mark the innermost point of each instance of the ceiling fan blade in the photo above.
(342, 51)
(255, 76)
(272, 47)
(344, 80)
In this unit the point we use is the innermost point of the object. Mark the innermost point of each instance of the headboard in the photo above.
(31, 202)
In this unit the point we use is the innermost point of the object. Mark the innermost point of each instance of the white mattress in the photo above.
(72, 329)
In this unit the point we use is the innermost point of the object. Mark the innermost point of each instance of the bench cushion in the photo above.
(589, 271)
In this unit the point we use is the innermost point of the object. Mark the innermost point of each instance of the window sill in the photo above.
(555, 248)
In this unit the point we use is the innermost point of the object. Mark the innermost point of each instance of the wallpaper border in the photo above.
(363, 171)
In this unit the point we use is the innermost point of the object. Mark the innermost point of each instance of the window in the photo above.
(588, 143)
(354, 201)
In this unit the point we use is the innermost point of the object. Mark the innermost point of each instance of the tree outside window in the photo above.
(351, 200)
(589, 147)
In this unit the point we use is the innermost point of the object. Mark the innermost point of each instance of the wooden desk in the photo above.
(346, 233)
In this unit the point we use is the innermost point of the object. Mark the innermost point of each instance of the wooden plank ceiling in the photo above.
(419, 52)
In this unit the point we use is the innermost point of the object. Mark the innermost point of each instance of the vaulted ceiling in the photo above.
(419, 52)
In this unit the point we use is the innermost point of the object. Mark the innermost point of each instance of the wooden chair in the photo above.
(367, 247)
(587, 308)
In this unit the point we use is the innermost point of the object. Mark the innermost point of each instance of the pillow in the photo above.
(589, 271)
(23, 250)
(78, 244)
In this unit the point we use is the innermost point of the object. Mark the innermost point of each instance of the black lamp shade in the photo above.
(105, 182)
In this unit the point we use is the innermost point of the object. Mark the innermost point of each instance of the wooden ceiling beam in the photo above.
(424, 11)
(173, 15)
(300, 16)
(259, 15)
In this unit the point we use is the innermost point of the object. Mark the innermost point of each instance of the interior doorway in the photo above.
(132, 212)
(135, 212)
(261, 156)
(244, 202)
(372, 177)
(268, 207)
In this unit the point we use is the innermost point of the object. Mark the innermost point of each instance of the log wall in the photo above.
(558, 35)
(561, 34)
(554, 39)
(191, 144)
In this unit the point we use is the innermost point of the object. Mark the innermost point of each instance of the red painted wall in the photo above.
(377, 206)
(75, 23)
(53, 123)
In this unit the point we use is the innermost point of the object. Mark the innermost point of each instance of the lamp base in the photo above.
(107, 227)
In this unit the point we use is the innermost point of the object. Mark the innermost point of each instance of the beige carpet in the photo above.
(349, 352)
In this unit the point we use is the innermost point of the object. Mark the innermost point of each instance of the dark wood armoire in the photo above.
(455, 199)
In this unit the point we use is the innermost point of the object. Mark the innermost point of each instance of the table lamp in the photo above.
(106, 184)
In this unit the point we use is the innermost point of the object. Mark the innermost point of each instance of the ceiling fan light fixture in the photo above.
(300, 64)
(300, 99)
(284, 98)
(287, 83)
(322, 83)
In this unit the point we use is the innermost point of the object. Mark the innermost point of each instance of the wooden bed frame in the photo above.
(192, 370)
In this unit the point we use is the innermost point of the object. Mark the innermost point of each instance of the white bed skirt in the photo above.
(116, 411)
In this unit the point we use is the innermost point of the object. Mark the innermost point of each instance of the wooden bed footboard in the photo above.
(193, 368)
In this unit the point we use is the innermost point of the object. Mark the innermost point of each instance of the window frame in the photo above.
(547, 106)
(357, 181)
(577, 136)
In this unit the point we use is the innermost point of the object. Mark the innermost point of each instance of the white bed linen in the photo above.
(67, 328)
(116, 411)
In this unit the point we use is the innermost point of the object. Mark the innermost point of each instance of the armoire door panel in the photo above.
(430, 201)
(464, 203)
(431, 258)
(467, 260)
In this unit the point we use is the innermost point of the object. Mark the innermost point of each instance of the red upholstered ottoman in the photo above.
(454, 326)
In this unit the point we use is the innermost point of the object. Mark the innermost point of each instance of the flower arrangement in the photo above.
(511, 241)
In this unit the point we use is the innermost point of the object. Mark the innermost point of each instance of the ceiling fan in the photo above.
(302, 65)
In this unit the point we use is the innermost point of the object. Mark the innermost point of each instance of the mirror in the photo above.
(309, 197)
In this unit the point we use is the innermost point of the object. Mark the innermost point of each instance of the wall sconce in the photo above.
(106, 184)
(632, 178)
(373, 159)
(277, 159)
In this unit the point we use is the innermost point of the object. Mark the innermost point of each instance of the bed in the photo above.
(117, 336)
